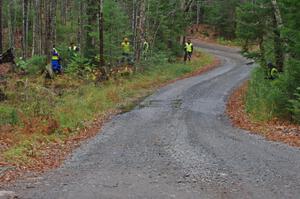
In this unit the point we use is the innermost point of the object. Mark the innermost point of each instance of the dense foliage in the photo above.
(32, 27)
(277, 31)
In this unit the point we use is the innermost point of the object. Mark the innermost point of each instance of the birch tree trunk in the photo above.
(278, 41)
(277, 13)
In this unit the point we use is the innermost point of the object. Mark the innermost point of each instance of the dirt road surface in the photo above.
(176, 144)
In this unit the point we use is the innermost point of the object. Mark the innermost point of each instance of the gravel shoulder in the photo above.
(177, 143)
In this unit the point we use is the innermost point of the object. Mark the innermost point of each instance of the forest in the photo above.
(35, 110)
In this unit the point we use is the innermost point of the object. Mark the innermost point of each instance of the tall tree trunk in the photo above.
(53, 21)
(43, 26)
(134, 23)
(48, 30)
(198, 12)
(1, 35)
(277, 13)
(101, 34)
(64, 4)
(91, 21)
(278, 47)
(36, 33)
(25, 29)
(278, 41)
(80, 28)
(12, 23)
(140, 30)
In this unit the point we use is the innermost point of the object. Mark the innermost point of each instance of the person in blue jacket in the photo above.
(55, 61)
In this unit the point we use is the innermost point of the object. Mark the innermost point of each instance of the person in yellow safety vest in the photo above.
(145, 49)
(188, 49)
(125, 50)
(55, 61)
(272, 71)
(73, 50)
(73, 47)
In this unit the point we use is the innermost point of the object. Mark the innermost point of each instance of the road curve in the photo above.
(177, 144)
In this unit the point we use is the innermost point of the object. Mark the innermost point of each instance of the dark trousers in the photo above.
(187, 56)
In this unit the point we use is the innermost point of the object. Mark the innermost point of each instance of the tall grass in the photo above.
(267, 99)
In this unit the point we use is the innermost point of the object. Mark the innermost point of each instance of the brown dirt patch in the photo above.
(53, 154)
(274, 130)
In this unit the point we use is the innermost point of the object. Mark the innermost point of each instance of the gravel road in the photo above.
(176, 144)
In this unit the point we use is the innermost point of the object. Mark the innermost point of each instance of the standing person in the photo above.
(188, 49)
(73, 51)
(125, 50)
(145, 49)
(55, 61)
(73, 48)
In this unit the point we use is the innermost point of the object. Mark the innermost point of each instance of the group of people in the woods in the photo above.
(126, 51)
(188, 50)
(272, 72)
(56, 58)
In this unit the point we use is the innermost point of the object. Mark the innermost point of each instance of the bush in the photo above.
(80, 66)
(274, 98)
(33, 65)
(266, 98)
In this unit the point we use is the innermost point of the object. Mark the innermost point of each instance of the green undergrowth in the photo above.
(43, 115)
(279, 98)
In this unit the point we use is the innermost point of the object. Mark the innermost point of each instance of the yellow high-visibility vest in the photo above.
(189, 47)
(126, 47)
(54, 57)
(274, 72)
(74, 48)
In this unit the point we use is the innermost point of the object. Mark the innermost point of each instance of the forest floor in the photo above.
(274, 130)
(56, 119)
